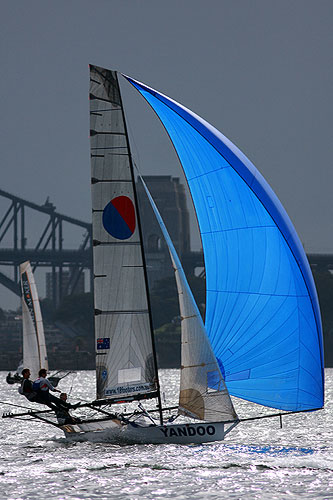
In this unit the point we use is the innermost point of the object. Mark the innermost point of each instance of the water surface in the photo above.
(258, 460)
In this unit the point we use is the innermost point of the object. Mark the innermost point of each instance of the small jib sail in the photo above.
(262, 311)
(125, 356)
(34, 347)
(203, 394)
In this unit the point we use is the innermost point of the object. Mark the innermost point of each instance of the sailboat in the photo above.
(262, 337)
(34, 346)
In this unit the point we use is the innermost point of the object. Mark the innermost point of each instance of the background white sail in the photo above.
(124, 352)
(203, 394)
(34, 348)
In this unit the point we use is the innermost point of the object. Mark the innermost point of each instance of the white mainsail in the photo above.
(125, 358)
(34, 348)
(203, 393)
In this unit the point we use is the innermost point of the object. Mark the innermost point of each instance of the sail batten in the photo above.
(260, 289)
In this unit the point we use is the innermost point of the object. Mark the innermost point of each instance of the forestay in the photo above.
(124, 354)
(34, 348)
(262, 312)
(203, 394)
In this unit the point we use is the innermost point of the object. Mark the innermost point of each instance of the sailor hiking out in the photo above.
(42, 387)
(26, 386)
(62, 414)
(39, 391)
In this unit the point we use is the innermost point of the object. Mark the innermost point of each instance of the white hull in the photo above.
(113, 431)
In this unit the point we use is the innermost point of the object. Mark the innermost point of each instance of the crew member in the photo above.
(63, 416)
(26, 386)
(42, 387)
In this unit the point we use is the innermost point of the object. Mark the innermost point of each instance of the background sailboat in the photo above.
(34, 346)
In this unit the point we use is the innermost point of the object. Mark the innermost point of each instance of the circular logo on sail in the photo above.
(119, 217)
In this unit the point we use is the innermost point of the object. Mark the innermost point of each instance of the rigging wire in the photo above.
(18, 406)
(71, 387)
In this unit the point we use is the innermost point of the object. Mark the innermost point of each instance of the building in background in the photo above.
(53, 285)
(170, 198)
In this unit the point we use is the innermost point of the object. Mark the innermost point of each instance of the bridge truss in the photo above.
(45, 247)
(37, 233)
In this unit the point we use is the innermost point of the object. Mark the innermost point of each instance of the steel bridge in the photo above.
(49, 250)
(48, 247)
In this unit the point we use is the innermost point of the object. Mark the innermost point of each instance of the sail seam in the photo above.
(101, 132)
(96, 181)
(239, 229)
(231, 373)
(104, 111)
(93, 97)
(138, 311)
(257, 293)
(111, 147)
(123, 243)
(275, 331)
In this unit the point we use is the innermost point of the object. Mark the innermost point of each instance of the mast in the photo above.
(143, 258)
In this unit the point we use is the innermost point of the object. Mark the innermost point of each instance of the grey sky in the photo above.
(258, 70)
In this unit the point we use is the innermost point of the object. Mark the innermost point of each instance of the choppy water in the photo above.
(258, 460)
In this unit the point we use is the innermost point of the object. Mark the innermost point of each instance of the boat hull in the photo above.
(13, 379)
(114, 431)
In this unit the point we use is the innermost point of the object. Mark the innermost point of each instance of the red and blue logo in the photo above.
(119, 218)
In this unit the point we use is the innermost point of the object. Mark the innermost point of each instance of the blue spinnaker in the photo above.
(262, 311)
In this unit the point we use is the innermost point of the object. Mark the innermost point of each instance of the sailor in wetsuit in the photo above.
(42, 387)
(26, 387)
(63, 416)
